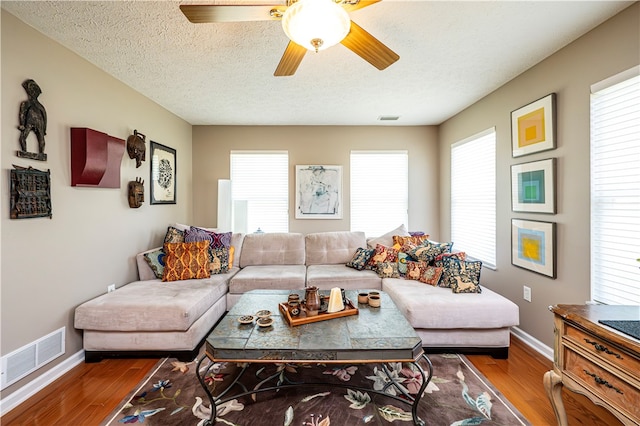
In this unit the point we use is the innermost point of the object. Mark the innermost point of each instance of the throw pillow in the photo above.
(429, 250)
(382, 254)
(387, 239)
(412, 239)
(403, 258)
(155, 259)
(220, 263)
(416, 269)
(360, 258)
(445, 280)
(185, 261)
(387, 270)
(215, 239)
(464, 276)
(232, 251)
(174, 235)
(431, 275)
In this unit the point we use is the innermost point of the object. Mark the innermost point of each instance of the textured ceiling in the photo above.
(452, 53)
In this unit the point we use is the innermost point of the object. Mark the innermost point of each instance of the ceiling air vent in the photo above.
(388, 118)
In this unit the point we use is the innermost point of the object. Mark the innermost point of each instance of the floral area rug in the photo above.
(457, 395)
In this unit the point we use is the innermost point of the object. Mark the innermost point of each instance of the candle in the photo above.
(335, 300)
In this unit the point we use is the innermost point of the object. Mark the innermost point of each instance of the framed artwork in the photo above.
(533, 187)
(318, 192)
(533, 127)
(533, 246)
(163, 174)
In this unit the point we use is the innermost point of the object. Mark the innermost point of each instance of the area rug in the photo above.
(457, 395)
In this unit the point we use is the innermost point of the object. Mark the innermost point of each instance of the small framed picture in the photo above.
(318, 192)
(533, 187)
(533, 127)
(533, 246)
(163, 174)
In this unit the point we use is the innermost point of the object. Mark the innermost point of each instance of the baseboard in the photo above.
(534, 343)
(27, 391)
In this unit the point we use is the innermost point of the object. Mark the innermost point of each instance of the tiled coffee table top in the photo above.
(375, 334)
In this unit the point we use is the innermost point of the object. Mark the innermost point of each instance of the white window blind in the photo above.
(379, 191)
(615, 190)
(262, 179)
(473, 196)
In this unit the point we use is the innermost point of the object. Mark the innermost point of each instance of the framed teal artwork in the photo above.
(533, 187)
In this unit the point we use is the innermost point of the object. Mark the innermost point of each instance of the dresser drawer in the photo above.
(605, 385)
(603, 350)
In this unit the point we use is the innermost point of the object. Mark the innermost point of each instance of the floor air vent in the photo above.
(30, 357)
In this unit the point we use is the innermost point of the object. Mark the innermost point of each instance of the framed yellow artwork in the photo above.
(533, 127)
(533, 246)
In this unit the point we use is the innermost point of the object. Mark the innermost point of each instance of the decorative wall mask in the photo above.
(136, 147)
(30, 193)
(136, 193)
(33, 118)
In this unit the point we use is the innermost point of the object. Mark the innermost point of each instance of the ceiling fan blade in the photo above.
(351, 5)
(291, 58)
(369, 48)
(204, 13)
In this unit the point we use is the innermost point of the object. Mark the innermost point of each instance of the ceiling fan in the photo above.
(310, 25)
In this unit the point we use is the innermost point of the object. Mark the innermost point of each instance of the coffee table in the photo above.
(376, 335)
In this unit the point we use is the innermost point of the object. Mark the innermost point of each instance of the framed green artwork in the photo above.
(533, 186)
(533, 246)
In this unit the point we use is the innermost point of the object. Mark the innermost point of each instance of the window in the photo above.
(379, 200)
(473, 196)
(261, 178)
(615, 189)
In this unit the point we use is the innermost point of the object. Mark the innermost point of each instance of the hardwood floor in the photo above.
(88, 393)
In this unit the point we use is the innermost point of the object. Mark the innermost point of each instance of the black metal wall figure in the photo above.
(33, 118)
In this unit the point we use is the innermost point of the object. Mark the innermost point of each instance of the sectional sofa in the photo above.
(152, 317)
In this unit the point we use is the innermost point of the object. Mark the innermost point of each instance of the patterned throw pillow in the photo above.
(216, 240)
(403, 258)
(155, 259)
(446, 271)
(387, 270)
(232, 251)
(185, 261)
(431, 275)
(174, 235)
(429, 250)
(413, 240)
(220, 263)
(360, 258)
(382, 254)
(416, 269)
(464, 276)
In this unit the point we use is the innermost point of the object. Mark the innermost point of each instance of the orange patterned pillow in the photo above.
(185, 261)
(407, 243)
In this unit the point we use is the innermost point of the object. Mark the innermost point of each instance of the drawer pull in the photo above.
(599, 380)
(601, 348)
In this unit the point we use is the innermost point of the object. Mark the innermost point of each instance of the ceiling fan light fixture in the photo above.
(316, 24)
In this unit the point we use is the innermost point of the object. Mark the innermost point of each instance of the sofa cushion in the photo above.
(332, 248)
(426, 306)
(268, 277)
(326, 277)
(152, 305)
(387, 239)
(272, 249)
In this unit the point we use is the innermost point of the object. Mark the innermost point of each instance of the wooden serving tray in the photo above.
(349, 309)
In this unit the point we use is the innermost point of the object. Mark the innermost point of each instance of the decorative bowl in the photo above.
(264, 313)
(265, 322)
(246, 319)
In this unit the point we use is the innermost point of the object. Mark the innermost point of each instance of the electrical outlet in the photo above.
(526, 294)
(111, 287)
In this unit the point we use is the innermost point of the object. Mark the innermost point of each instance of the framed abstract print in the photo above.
(533, 246)
(533, 127)
(318, 192)
(163, 174)
(533, 187)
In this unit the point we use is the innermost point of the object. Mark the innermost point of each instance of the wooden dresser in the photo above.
(595, 360)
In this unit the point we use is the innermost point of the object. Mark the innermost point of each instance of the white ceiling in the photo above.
(452, 53)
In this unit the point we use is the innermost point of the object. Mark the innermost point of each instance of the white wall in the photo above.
(49, 266)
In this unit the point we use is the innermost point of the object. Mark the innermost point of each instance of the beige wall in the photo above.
(49, 266)
(318, 145)
(611, 48)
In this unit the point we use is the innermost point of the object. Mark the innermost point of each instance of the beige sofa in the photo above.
(150, 317)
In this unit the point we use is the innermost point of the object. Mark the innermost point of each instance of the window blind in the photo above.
(615, 189)
(379, 191)
(473, 196)
(262, 179)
